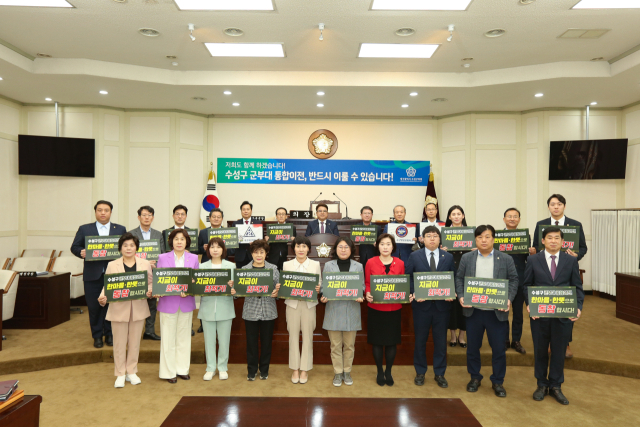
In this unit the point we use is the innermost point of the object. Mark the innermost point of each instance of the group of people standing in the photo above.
(342, 319)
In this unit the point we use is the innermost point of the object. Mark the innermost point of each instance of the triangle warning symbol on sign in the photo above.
(249, 233)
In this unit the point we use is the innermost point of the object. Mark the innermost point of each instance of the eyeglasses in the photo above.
(146, 216)
(322, 211)
(179, 214)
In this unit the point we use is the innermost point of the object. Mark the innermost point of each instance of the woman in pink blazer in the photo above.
(127, 317)
(176, 313)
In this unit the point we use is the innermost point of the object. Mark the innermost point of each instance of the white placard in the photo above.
(424, 225)
(248, 233)
(403, 233)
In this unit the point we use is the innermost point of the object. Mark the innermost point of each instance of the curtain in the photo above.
(628, 241)
(604, 229)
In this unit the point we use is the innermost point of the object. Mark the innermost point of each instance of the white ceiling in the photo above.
(96, 46)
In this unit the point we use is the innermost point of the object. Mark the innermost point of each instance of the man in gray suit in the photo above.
(489, 263)
(145, 232)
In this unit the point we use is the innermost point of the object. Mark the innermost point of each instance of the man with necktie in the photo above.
(322, 225)
(242, 256)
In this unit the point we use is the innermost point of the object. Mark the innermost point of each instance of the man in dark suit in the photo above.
(367, 251)
(556, 204)
(552, 268)
(242, 255)
(145, 232)
(215, 220)
(278, 251)
(403, 250)
(488, 263)
(322, 225)
(512, 220)
(93, 272)
(430, 314)
(179, 219)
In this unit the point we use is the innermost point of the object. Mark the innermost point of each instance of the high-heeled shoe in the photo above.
(462, 344)
(453, 343)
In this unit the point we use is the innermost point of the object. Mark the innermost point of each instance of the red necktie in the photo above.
(246, 222)
(322, 227)
(557, 222)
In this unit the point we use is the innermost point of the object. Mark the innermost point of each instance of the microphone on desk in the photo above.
(345, 205)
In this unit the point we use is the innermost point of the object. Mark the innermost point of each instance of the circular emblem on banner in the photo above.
(323, 144)
(402, 231)
(210, 202)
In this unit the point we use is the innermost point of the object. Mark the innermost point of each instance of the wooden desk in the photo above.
(628, 297)
(42, 302)
(24, 414)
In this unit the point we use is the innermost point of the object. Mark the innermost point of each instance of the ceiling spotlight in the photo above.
(497, 32)
(0, 78)
(236, 104)
(191, 28)
(104, 92)
(594, 103)
(321, 93)
(539, 95)
(451, 28)
(439, 100)
(149, 32)
(467, 59)
(413, 94)
(405, 32)
(175, 64)
(405, 105)
(466, 65)
(171, 57)
(233, 32)
(321, 27)
(48, 99)
(227, 92)
(199, 98)
(320, 105)
(43, 55)
(599, 58)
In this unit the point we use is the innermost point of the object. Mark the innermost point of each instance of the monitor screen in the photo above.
(588, 159)
(56, 156)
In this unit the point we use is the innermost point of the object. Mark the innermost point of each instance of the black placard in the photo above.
(390, 289)
(553, 301)
(130, 286)
(458, 238)
(481, 292)
(228, 234)
(254, 282)
(149, 250)
(101, 248)
(171, 281)
(337, 286)
(512, 241)
(211, 282)
(298, 286)
(437, 285)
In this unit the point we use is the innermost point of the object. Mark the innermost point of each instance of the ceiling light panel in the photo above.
(420, 4)
(607, 4)
(225, 4)
(36, 3)
(380, 50)
(263, 50)
(581, 33)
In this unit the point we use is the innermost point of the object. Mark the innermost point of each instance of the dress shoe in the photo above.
(192, 332)
(295, 378)
(108, 340)
(133, 379)
(200, 329)
(518, 347)
(557, 393)
(499, 390)
(380, 379)
(223, 375)
(568, 355)
(266, 376)
(184, 377)
(388, 379)
(119, 382)
(473, 385)
(305, 379)
(151, 336)
(540, 392)
(419, 379)
(251, 377)
(442, 382)
(346, 377)
(172, 380)
(208, 376)
(97, 343)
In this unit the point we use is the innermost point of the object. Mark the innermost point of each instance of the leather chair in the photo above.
(73, 265)
(9, 285)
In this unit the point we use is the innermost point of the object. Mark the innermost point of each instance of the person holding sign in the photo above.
(367, 251)
(322, 225)
(402, 250)
(456, 218)
(179, 219)
(215, 220)
(301, 316)
(242, 255)
(259, 314)
(342, 318)
(383, 330)
(430, 314)
(176, 313)
(145, 232)
(216, 314)
(278, 251)
(552, 268)
(127, 317)
(93, 272)
(556, 204)
(431, 210)
(492, 264)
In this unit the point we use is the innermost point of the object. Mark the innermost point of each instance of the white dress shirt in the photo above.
(178, 228)
(246, 221)
(103, 229)
(436, 255)
(146, 235)
(560, 221)
(434, 223)
(179, 261)
(547, 256)
(322, 224)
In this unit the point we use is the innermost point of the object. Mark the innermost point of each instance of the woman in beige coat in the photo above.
(127, 317)
(301, 315)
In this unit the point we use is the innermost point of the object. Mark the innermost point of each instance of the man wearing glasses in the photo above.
(322, 225)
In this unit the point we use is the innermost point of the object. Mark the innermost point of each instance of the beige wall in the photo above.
(484, 162)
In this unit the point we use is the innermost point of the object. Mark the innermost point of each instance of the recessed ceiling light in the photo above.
(0, 78)
(607, 4)
(224, 4)
(199, 98)
(48, 99)
(439, 100)
(539, 95)
(236, 104)
(526, 2)
(36, 3)
(405, 105)
(104, 92)
(413, 94)
(171, 57)
(405, 32)
(175, 64)
(149, 32)
(321, 93)
(43, 55)
(594, 103)
(380, 50)
(420, 5)
(264, 50)
(466, 65)
(233, 32)
(599, 58)
(467, 59)
(227, 92)
(320, 105)
(496, 32)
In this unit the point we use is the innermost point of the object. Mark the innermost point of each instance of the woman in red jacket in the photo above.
(383, 320)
